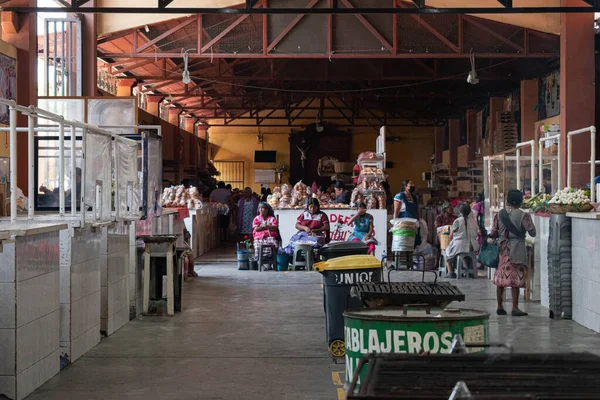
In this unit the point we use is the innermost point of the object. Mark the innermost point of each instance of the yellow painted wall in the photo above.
(108, 23)
(239, 145)
(410, 155)
(10, 51)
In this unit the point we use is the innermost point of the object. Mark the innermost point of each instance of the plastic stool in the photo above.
(307, 249)
(271, 250)
(460, 258)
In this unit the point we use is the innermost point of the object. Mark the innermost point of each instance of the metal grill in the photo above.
(231, 172)
(485, 376)
(403, 293)
(62, 57)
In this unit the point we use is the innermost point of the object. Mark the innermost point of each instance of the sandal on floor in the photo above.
(501, 311)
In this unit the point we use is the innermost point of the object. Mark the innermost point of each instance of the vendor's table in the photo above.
(338, 220)
(169, 242)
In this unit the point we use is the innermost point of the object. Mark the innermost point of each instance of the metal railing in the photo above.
(32, 114)
(592, 161)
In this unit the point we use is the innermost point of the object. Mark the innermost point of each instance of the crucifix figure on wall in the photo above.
(303, 148)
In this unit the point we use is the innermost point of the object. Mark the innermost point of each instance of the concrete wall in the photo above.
(30, 313)
(80, 266)
(115, 283)
(586, 272)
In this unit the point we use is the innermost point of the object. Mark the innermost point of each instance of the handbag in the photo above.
(489, 255)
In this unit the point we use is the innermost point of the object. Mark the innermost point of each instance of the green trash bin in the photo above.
(340, 275)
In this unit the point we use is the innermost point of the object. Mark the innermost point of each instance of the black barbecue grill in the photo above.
(484, 376)
(438, 294)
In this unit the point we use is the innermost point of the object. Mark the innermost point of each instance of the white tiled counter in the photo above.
(586, 269)
(115, 277)
(80, 266)
(30, 312)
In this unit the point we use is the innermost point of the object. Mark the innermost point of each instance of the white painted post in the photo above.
(13, 164)
(31, 161)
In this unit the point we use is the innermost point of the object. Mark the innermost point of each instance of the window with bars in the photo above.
(231, 172)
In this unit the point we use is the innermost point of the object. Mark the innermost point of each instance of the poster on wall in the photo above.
(8, 84)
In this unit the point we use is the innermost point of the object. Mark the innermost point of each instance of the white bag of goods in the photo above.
(404, 232)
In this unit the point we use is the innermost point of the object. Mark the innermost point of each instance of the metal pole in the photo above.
(46, 63)
(559, 184)
(83, 163)
(13, 164)
(55, 65)
(62, 58)
(31, 160)
(592, 163)
(569, 160)
(518, 153)
(61, 169)
(533, 168)
(116, 161)
(541, 166)
(74, 193)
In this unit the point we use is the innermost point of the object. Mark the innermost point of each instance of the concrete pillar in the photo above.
(454, 132)
(25, 40)
(529, 115)
(174, 116)
(438, 143)
(577, 81)
(153, 104)
(189, 125)
(124, 87)
(89, 61)
(473, 139)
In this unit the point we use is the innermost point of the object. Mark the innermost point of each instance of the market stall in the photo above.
(338, 220)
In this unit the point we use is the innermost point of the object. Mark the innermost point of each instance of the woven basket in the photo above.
(559, 209)
(343, 167)
(444, 241)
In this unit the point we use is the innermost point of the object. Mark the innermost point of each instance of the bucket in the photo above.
(389, 330)
(242, 259)
(283, 262)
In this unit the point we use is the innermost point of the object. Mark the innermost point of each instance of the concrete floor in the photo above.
(249, 335)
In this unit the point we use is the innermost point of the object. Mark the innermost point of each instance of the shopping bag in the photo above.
(489, 255)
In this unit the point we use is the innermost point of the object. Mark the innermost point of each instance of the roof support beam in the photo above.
(498, 36)
(167, 33)
(224, 32)
(370, 27)
(506, 3)
(290, 26)
(434, 31)
(296, 11)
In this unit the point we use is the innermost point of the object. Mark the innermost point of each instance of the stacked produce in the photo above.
(179, 196)
(274, 198)
(538, 203)
(301, 192)
(286, 196)
(369, 187)
(570, 200)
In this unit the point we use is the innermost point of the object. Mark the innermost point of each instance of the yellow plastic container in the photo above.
(362, 261)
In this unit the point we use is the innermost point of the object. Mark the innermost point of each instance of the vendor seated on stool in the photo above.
(463, 237)
(363, 227)
(312, 225)
(265, 224)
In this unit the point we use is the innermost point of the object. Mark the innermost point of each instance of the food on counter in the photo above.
(570, 200)
(371, 203)
(179, 197)
(286, 196)
(538, 203)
